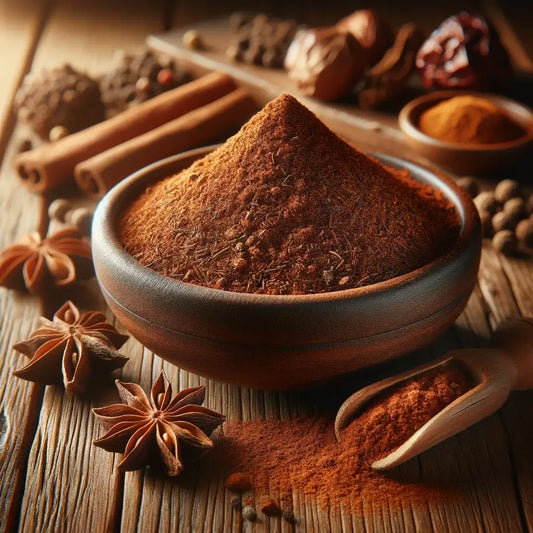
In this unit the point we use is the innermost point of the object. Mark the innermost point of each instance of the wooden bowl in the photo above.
(463, 158)
(282, 342)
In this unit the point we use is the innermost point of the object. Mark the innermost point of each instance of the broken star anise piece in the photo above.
(74, 346)
(37, 263)
(161, 427)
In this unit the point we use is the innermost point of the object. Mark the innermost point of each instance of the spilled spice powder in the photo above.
(303, 454)
(238, 482)
(287, 207)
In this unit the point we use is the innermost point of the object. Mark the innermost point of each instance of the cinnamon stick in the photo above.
(98, 174)
(52, 165)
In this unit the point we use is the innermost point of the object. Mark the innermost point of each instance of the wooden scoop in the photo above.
(506, 365)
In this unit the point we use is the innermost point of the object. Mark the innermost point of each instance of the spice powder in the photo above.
(287, 207)
(303, 454)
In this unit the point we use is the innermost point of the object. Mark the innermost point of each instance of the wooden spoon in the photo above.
(497, 370)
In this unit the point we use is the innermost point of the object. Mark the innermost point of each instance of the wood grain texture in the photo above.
(20, 28)
(70, 485)
(19, 400)
(63, 442)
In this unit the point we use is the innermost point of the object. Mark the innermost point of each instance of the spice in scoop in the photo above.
(287, 207)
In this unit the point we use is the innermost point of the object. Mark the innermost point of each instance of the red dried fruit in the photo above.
(464, 52)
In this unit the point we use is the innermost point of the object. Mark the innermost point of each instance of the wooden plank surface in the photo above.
(51, 476)
(22, 213)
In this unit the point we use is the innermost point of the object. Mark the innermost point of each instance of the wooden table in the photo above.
(52, 478)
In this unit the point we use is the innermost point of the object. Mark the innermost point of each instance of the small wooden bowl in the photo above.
(282, 342)
(462, 158)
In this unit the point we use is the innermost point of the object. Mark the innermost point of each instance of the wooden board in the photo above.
(372, 130)
(375, 130)
(52, 478)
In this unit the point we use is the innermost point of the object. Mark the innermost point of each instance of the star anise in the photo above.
(162, 427)
(76, 347)
(36, 263)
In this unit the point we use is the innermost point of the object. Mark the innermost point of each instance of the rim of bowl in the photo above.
(516, 110)
(109, 208)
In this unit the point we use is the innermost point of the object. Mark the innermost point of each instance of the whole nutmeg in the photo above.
(61, 97)
(325, 62)
(503, 220)
(524, 232)
(373, 33)
(506, 189)
(485, 201)
(505, 242)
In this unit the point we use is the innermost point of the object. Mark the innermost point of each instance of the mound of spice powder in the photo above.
(469, 120)
(303, 454)
(287, 207)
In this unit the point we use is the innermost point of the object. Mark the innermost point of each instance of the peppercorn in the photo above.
(515, 207)
(59, 208)
(486, 201)
(82, 218)
(506, 189)
(191, 39)
(56, 133)
(503, 220)
(236, 503)
(288, 515)
(249, 513)
(165, 77)
(524, 232)
(142, 85)
(470, 185)
(505, 242)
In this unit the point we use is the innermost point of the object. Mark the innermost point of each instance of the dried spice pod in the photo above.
(63, 100)
(388, 77)
(159, 428)
(36, 264)
(73, 346)
(373, 33)
(325, 62)
(464, 52)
